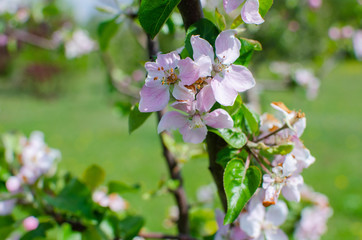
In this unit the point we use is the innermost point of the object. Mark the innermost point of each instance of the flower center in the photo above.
(170, 77)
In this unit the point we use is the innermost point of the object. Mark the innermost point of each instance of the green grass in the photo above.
(83, 124)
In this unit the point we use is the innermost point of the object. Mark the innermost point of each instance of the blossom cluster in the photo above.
(196, 84)
(35, 160)
(113, 200)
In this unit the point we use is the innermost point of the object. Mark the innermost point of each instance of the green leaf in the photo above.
(39, 233)
(206, 29)
(107, 30)
(224, 156)
(282, 149)
(239, 185)
(264, 6)
(136, 118)
(237, 22)
(220, 20)
(121, 188)
(232, 110)
(75, 198)
(6, 226)
(130, 227)
(154, 13)
(234, 137)
(93, 176)
(248, 46)
(251, 118)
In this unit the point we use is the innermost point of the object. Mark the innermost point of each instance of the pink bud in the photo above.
(334, 33)
(347, 32)
(30, 223)
(13, 184)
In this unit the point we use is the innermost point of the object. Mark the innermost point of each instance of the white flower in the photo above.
(80, 44)
(263, 223)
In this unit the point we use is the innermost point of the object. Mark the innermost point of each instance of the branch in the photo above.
(179, 194)
(33, 39)
(164, 236)
(191, 12)
(272, 133)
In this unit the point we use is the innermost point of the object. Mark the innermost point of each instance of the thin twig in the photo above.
(32, 39)
(164, 236)
(258, 160)
(285, 126)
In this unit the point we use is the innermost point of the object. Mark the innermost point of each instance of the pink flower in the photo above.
(228, 79)
(117, 203)
(192, 125)
(258, 221)
(283, 179)
(357, 44)
(161, 74)
(7, 206)
(228, 232)
(249, 12)
(315, 3)
(30, 223)
(334, 33)
(347, 31)
(13, 184)
(313, 223)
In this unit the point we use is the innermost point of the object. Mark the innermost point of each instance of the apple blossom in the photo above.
(249, 12)
(305, 77)
(116, 203)
(228, 79)
(13, 184)
(315, 3)
(192, 124)
(30, 223)
(313, 223)
(80, 44)
(228, 232)
(285, 179)
(334, 33)
(161, 74)
(7, 206)
(260, 222)
(357, 44)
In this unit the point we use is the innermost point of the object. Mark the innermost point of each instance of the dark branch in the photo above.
(191, 12)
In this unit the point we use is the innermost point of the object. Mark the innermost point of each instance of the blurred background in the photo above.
(65, 66)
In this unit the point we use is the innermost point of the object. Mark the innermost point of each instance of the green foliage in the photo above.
(75, 199)
(220, 20)
(282, 149)
(154, 13)
(107, 30)
(6, 225)
(121, 188)
(234, 137)
(228, 153)
(202, 222)
(237, 22)
(232, 110)
(248, 46)
(39, 233)
(130, 226)
(240, 184)
(93, 176)
(206, 29)
(264, 6)
(136, 118)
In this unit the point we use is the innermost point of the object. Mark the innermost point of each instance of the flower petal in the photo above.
(227, 46)
(154, 98)
(277, 214)
(205, 99)
(189, 71)
(205, 66)
(230, 5)
(250, 226)
(223, 93)
(219, 119)
(291, 190)
(183, 93)
(169, 60)
(171, 121)
(201, 47)
(250, 12)
(239, 77)
(275, 234)
(289, 165)
(185, 106)
(193, 135)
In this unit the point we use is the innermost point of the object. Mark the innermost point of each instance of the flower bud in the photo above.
(30, 223)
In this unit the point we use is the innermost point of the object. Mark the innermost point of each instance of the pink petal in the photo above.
(250, 226)
(193, 135)
(289, 165)
(169, 60)
(219, 119)
(182, 93)
(189, 71)
(277, 214)
(185, 106)
(171, 121)
(250, 12)
(223, 93)
(239, 77)
(275, 234)
(230, 5)
(205, 66)
(291, 191)
(205, 99)
(154, 98)
(227, 46)
(201, 47)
